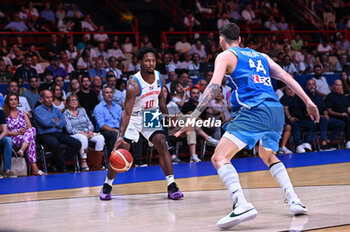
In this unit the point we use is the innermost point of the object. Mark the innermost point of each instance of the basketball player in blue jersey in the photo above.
(144, 92)
(260, 118)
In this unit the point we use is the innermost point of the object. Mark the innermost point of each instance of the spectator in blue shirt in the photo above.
(118, 96)
(47, 14)
(107, 116)
(98, 70)
(16, 25)
(49, 122)
(55, 67)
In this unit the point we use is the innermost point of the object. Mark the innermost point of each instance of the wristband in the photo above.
(289, 117)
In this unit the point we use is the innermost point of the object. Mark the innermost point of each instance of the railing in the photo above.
(305, 35)
(38, 38)
(174, 8)
(121, 10)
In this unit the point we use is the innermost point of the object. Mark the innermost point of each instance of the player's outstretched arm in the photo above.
(224, 63)
(132, 90)
(278, 73)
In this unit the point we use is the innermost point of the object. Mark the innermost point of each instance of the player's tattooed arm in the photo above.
(209, 94)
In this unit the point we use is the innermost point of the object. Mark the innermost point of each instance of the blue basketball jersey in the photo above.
(250, 80)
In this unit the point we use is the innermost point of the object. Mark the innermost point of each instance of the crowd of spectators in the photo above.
(97, 67)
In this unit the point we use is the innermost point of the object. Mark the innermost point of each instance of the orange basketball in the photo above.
(120, 160)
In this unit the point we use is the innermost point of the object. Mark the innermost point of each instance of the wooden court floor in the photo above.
(325, 190)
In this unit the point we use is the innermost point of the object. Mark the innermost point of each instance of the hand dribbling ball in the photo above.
(120, 160)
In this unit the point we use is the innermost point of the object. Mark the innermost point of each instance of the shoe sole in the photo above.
(300, 211)
(250, 215)
(175, 197)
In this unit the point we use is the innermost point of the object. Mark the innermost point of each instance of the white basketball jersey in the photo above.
(148, 97)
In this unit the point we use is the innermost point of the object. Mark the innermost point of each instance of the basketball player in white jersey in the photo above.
(144, 92)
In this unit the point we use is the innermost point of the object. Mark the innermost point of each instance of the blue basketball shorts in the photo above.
(264, 122)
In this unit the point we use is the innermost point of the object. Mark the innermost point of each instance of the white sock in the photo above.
(108, 181)
(229, 176)
(279, 172)
(170, 179)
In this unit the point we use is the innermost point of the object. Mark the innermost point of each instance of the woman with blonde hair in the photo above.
(21, 131)
(80, 127)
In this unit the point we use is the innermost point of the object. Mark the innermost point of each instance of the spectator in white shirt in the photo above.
(116, 51)
(100, 51)
(288, 66)
(112, 61)
(249, 16)
(222, 21)
(199, 48)
(101, 37)
(87, 24)
(324, 48)
(38, 67)
(182, 46)
(321, 82)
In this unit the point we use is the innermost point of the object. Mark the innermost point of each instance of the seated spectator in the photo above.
(18, 58)
(21, 88)
(20, 130)
(100, 51)
(233, 12)
(58, 101)
(101, 37)
(116, 52)
(60, 81)
(84, 61)
(55, 67)
(338, 107)
(47, 14)
(53, 48)
(5, 75)
(6, 143)
(35, 25)
(345, 79)
(65, 25)
(342, 44)
(209, 42)
(87, 24)
(324, 48)
(37, 66)
(297, 43)
(107, 116)
(295, 113)
(74, 10)
(112, 61)
(188, 108)
(83, 44)
(271, 24)
(194, 67)
(285, 137)
(32, 95)
(186, 61)
(73, 87)
(72, 53)
(23, 14)
(191, 22)
(60, 12)
(222, 20)
(48, 81)
(98, 70)
(199, 49)
(249, 16)
(66, 64)
(282, 24)
(306, 66)
(326, 122)
(17, 25)
(169, 65)
(118, 96)
(182, 46)
(87, 98)
(281, 87)
(327, 66)
(220, 112)
(97, 85)
(49, 122)
(32, 10)
(321, 82)
(127, 46)
(25, 70)
(133, 66)
(80, 127)
(12, 87)
(342, 64)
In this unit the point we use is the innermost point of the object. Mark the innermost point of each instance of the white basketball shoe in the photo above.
(238, 215)
(297, 208)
